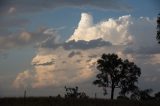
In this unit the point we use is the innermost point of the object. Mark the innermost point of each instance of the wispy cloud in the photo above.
(25, 38)
(19, 6)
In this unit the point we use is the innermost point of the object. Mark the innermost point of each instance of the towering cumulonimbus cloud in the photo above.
(86, 20)
(74, 61)
(112, 30)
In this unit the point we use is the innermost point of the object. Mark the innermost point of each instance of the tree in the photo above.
(157, 96)
(158, 28)
(74, 93)
(142, 94)
(116, 73)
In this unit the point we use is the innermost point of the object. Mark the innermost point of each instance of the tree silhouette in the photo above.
(158, 28)
(157, 96)
(142, 94)
(74, 93)
(116, 73)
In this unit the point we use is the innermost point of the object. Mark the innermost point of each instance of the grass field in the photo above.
(51, 101)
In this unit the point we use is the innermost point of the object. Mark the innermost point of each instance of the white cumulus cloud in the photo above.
(113, 30)
(23, 79)
(65, 70)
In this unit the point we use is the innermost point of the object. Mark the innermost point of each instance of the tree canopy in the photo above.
(157, 95)
(74, 93)
(158, 28)
(141, 94)
(116, 73)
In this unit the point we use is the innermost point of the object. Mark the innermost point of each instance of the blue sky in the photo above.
(36, 40)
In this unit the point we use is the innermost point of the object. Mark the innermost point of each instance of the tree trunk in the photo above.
(112, 92)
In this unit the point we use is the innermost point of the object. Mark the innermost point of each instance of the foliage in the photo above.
(142, 94)
(73, 93)
(116, 73)
(157, 96)
(158, 28)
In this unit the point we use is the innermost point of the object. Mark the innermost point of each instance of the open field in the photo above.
(51, 101)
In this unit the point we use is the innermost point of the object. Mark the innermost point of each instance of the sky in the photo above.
(47, 44)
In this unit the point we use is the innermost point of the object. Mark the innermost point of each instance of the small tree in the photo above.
(74, 93)
(116, 73)
(142, 94)
(158, 28)
(157, 96)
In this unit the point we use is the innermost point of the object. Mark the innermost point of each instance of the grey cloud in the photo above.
(73, 53)
(63, 62)
(77, 45)
(143, 30)
(143, 50)
(50, 43)
(149, 72)
(86, 44)
(92, 56)
(78, 61)
(88, 60)
(23, 38)
(11, 25)
(44, 64)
